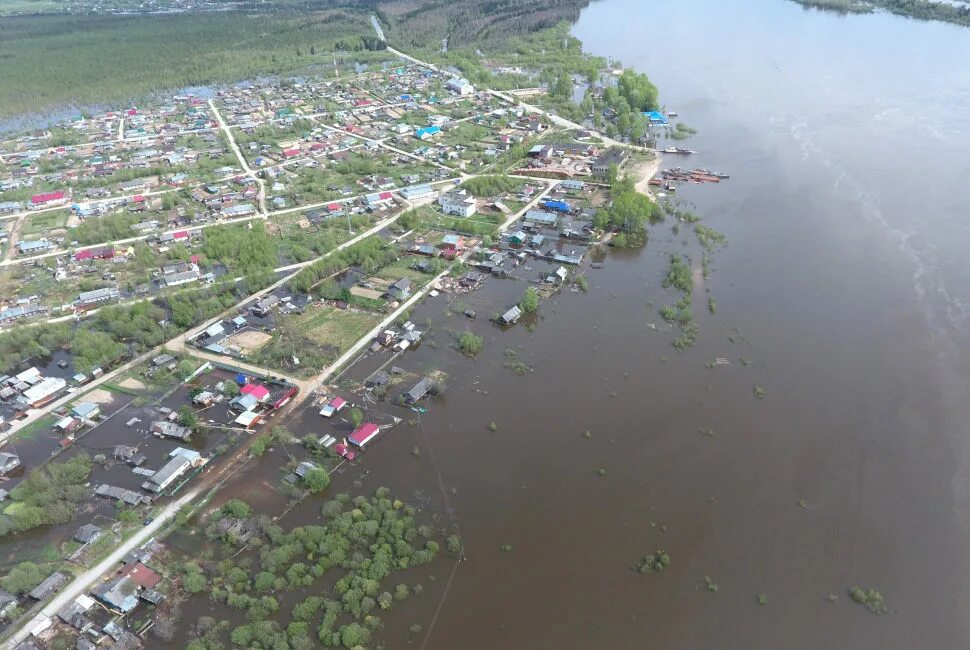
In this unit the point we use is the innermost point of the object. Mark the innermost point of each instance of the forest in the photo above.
(60, 61)
(950, 12)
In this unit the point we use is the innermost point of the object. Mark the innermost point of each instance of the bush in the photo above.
(469, 343)
(530, 301)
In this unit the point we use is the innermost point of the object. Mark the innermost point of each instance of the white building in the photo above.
(460, 86)
(417, 192)
(458, 203)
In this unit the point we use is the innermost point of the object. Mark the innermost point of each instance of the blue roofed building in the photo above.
(426, 132)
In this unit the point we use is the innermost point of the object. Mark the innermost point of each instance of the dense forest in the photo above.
(955, 12)
(420, 25)
(50, 61)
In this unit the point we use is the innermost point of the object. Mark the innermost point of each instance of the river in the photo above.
(846, 138)
(843, 293)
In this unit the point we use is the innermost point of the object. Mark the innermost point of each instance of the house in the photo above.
(244, 403)
(119, 494)
(572, 185)
(556, 206)
(413, 192)
(427, 132)
(86, 411)
(47, 199)
(456, 242)
(98, 295)
(164, 429)
(304, 468)
(511, 317)
(205, 398)
(248, 419)
(518, 238)
(460, 86)
(162, 360)
(49, 586)
(470, 279)
(265, 306)
(8, 602)
(418, 391)
(152, 596)
(167, 474)
(378, 199)
(333, 407)
(542, 218)
(400, 290)
(261, 393)
(67, 424)
(34, 246)
(458, 203)
(141, 575)
(87, 534)
(655, 117)
(120, 594)
(8, 462)
(363, 434)
(612, 158)
(182, 275)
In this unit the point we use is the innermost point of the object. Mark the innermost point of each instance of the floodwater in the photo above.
(843, 289)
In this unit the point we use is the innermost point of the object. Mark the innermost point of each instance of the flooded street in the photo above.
(829, 452)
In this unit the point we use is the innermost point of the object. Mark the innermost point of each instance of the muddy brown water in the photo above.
(843, 287)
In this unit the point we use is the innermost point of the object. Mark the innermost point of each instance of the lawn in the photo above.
(341, 328)
(45, 221)
(401, 269)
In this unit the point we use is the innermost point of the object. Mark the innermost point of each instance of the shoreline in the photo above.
(645, 171)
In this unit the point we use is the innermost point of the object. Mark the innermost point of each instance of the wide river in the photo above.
(844, 293)
(847, 274)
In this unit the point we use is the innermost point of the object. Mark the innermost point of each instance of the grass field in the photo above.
(338, 327)
(45, 221)
(401, 269)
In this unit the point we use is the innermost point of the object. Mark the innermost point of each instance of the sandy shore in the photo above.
(644, 171)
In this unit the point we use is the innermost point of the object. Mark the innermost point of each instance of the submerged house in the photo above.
(511, 317)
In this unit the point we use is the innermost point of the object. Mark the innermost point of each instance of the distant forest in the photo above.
(958, 12)
(54, 61)
(422, 24)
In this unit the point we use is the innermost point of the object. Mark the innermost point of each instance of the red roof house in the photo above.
(141, 575)
(257, 391)
(290, 153)
(47, 197)
(363, 434)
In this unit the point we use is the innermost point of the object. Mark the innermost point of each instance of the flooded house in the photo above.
(511, 317)
(418, 391)
(8, 462)
(165, 429)
(167, 474)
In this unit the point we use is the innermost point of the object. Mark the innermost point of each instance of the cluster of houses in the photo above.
(573, 160)
(100, 616)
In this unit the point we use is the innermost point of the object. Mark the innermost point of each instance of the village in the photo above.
(408, 211)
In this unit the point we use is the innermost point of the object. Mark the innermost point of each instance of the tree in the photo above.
(530, 301)
(469, 343)
(316, 480)
(22, 578)
(638, 91)
(356, 417)
(353, 635)
(188, 417)
(186, 367)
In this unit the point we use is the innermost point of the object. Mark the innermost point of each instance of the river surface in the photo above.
(848, 279)
(843, 293)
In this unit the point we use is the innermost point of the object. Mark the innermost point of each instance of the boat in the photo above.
(679, 150)
(708, 172)
(671, 113)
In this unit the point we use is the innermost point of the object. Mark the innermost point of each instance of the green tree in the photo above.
(356, 417)
(188, 417)
(22, 578)
(316, 480)
(530, 301)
